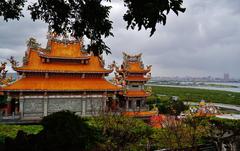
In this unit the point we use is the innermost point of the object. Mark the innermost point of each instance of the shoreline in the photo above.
(235, 90)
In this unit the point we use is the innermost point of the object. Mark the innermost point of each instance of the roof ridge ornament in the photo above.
(32, 43)
(13, 62)
(3, 74)
(63, 38)
(132, 58)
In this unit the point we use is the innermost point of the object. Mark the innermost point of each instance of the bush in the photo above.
(61, 131)
(122, 133)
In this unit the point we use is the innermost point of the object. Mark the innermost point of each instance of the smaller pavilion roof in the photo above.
(135, 67)
(140, 113)
(136, 93)
(136, 78)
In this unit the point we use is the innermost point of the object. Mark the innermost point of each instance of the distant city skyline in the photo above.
(225, 78)
(203, 41)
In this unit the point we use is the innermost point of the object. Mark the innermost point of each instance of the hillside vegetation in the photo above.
(195, 95)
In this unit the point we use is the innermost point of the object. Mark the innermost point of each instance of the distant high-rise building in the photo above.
(226, 77)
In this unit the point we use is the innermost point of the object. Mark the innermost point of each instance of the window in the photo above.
(135, 86)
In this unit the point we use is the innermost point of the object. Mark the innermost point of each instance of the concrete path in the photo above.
(228, 106)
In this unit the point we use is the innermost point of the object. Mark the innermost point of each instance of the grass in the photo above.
(195, 95)
(222, 85)
(11, 130)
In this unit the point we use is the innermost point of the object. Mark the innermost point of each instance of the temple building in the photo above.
(60, 77)
(63, 76)
(132, 75)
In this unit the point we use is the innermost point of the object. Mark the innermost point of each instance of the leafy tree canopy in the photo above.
(90, 18)
(121, 133)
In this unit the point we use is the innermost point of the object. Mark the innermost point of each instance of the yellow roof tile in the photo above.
(35, 64)
(61, 84)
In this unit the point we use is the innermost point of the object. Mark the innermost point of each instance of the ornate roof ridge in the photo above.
(66, 39)
(46, 55)
(18, 69)
(131, 55)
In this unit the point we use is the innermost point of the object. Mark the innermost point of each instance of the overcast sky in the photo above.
(203, 41)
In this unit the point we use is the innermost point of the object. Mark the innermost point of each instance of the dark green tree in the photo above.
(90, 18)
(61, 131)
(224, 132)
(10, 9)
(176, 107)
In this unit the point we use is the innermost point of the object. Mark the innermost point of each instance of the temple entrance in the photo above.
(130, 104)
(14, 105)
(112, 104)
(138, 103)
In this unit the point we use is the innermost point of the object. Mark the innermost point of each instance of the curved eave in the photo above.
(145, 80)
(143, 71)
(102, 90)
(135, 96)
(131, 71)
(60, 71)
(64, 58)
(120, 71)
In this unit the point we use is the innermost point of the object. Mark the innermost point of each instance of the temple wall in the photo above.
(33, 107)
(58, 104)
(40, 106)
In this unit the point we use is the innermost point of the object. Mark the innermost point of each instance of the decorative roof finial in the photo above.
(32, 43)
(13, 62)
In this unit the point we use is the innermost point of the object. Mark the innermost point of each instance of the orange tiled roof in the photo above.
(35, 64)
(140, 113)
(61, 84)
(134, 67)
(136, 78)
(136, 93)
(60, 49)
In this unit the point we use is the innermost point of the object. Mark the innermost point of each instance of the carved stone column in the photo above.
(45, 106)
(21, 106)
(104, 100)
(134, 104)
(84, 106)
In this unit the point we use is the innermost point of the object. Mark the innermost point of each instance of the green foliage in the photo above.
(224, 132)
(195, 95)
(10, 9)
(178, 134)
(61, 131)
(225, 125)
(11, 130)
(168, 106)
(122, 133)
(65, 130)
(90, 18)
(147, 14)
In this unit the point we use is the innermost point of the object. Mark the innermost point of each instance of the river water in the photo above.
(237, 89)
